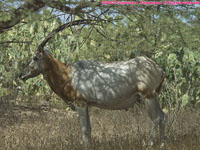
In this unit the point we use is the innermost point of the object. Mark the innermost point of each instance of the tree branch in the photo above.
(20, 13)
(62, 6)
(8, 42)
(34, 5)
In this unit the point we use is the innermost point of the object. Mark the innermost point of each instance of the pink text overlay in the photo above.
(150, 3)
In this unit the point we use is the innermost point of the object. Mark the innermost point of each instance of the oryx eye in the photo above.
(35, 58)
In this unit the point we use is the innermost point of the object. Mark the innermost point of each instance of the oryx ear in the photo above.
(41, 50)
(46, 50)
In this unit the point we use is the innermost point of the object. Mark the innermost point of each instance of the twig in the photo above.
(85, 39)
(9, 42)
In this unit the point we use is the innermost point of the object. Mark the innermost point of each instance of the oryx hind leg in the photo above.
(158, 118)
(84, 118)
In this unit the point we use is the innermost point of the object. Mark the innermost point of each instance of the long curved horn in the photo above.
(60, 28)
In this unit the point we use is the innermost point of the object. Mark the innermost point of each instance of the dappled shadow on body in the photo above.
(116, 85)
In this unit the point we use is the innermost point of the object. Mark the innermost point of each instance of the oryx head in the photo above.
(35, 66)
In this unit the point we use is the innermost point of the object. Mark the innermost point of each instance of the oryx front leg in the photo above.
(84, 118)
(158, 118)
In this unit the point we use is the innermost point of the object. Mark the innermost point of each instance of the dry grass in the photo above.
(37, 128)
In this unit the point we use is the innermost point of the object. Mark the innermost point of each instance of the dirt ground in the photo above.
(46, 128)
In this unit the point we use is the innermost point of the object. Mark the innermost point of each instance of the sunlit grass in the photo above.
(36, 128)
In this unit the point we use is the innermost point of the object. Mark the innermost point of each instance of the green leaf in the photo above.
(185, 100)
(2, 68)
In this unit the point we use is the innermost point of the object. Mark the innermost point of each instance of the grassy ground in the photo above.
(45, 128)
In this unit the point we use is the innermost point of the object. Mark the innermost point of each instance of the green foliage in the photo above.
(162, 36)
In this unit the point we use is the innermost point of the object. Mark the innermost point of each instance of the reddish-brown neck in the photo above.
(59, 77)
(57, 74)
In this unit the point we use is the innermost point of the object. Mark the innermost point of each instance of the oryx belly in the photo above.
(119, 104)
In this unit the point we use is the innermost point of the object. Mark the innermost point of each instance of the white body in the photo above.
(113, 85)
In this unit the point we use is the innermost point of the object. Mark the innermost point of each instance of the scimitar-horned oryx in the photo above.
(113, 86)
